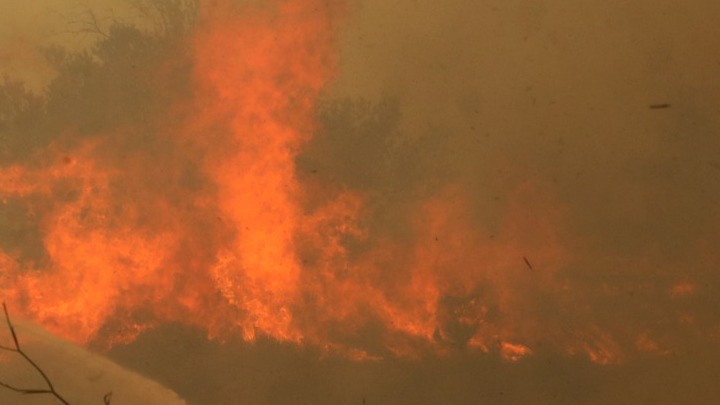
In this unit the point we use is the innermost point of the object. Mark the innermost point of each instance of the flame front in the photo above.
(215, 228)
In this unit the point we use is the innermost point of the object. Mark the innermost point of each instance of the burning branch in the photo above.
(50, 388)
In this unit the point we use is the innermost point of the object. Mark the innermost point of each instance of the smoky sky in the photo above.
(608, 109)
(610, 106)
(496, 93)
(562, 92)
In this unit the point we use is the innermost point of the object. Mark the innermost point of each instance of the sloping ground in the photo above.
(80, 376)
(270, 373)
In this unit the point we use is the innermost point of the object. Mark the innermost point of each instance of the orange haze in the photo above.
(246, 245)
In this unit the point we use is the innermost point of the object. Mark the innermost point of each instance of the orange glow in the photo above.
(513, 352)
(646, 344)
(130, 245)
(682, 289)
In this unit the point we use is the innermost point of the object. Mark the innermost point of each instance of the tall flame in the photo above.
(262, 77)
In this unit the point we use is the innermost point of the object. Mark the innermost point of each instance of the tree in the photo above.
(128, 77)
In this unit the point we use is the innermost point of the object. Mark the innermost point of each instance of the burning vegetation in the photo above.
(196, 173)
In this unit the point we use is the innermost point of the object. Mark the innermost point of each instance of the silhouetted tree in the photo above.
(129, 76)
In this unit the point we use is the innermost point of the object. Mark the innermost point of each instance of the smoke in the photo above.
(561, 92)
(561, 96)
(267, 372)
(513, 181)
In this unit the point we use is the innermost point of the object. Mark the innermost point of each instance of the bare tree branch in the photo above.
(91, 25)
(50, 390)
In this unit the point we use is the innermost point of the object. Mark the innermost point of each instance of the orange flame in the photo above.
(234, 248)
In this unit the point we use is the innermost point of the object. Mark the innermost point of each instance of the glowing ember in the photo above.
(682, 289)
(513, 352)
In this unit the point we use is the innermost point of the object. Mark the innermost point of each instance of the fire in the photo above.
(258, 74)
(513, 352)
(241, 245)
(682, 289)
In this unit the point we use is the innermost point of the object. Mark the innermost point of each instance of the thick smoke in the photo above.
(466, 183)
(609, 107)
